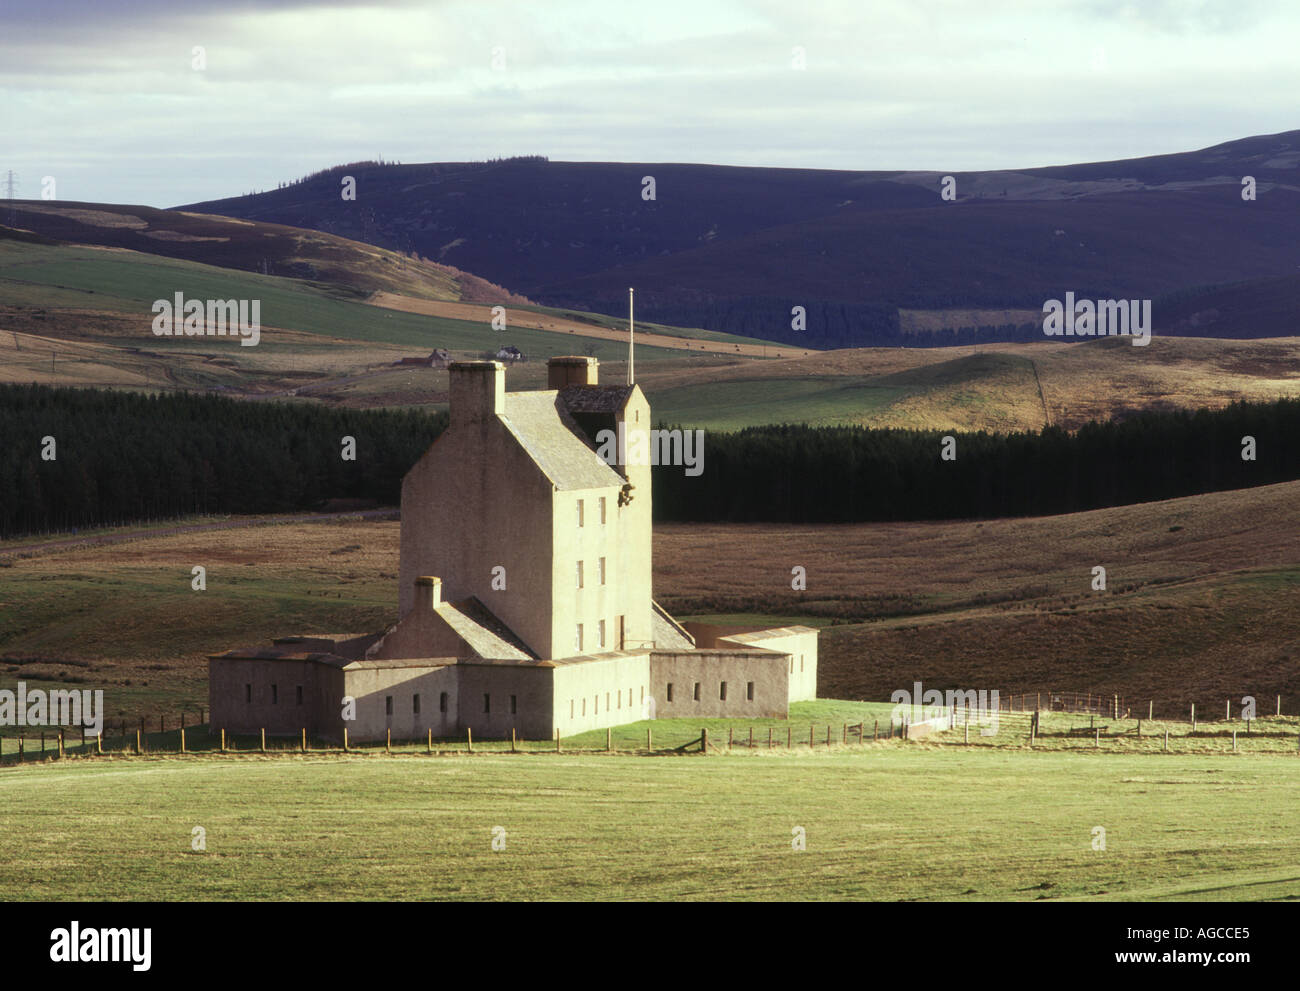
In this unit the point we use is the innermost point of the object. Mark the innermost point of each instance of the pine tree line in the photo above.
(124, 456)
(801, 474)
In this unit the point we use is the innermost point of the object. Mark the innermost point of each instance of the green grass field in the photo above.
(89, 278)
(892, 821)
(994, 389)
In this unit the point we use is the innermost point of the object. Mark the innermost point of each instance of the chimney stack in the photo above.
(571, 369)
(428, 593)
(478, 390)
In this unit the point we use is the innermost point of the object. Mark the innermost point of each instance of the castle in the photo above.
(525, 594)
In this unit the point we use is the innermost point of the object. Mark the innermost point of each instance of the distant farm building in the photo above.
(524, 594)
(510, 353)
(440, 358)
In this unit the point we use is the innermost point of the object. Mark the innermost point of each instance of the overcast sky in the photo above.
(103, 95)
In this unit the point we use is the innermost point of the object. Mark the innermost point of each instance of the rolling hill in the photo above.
(80, 314)
(268, 249)
(733, 249)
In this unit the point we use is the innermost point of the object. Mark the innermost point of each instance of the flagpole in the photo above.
(631, 334)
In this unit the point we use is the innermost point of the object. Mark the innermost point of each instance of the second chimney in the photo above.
(428, 593)
(571, 369)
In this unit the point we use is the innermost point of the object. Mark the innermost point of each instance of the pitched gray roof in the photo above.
(668, 634)
(555, 443)
(595, 398)
(486, 635)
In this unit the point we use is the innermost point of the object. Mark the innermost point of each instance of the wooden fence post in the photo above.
(557, 740)
(20, 748)
(846, 734)
(99, 743)
(1279, 705)
(1166, 741)
(1193, 717)
(512, 737)
(728, 737)
(769, 738)
(609, 740)
(304, 739)
(263, 739)
(704, 741)
(430, 739)
(875, 731)
(1234, 741)
(751, 738)
(182, 739)
(469, 739)
(1139, 729)
(788, 732)
(345, 739)
(223, 739)
(1097, 738)
(388, 740)
(650, 747)
(1151, 709)
(810, 736)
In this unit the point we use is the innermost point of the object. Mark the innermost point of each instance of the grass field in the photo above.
(997, 387)
(893, 821)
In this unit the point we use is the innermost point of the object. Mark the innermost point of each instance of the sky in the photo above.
(165, 102)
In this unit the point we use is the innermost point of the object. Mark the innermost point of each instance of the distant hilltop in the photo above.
(737, 249)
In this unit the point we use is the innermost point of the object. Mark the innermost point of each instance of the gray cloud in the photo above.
(110, 105)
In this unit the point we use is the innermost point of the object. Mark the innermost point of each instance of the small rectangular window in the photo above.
(442, 702)
(749, 691)
(607, 701)
(584, 705)
(415, 703)
(487, 702)
(248, 693)
(300, 694)
(579, 574)
(600, 634)
(388, 705)
(275, 695)
(579, 512)
(620, 699)
(669, 693)
(602, 510)
(600, 571)
(595, 705)
(722, 692)
(697, 691)
(801, 663)
(577, 640)
(570, 708)
(513, 708)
